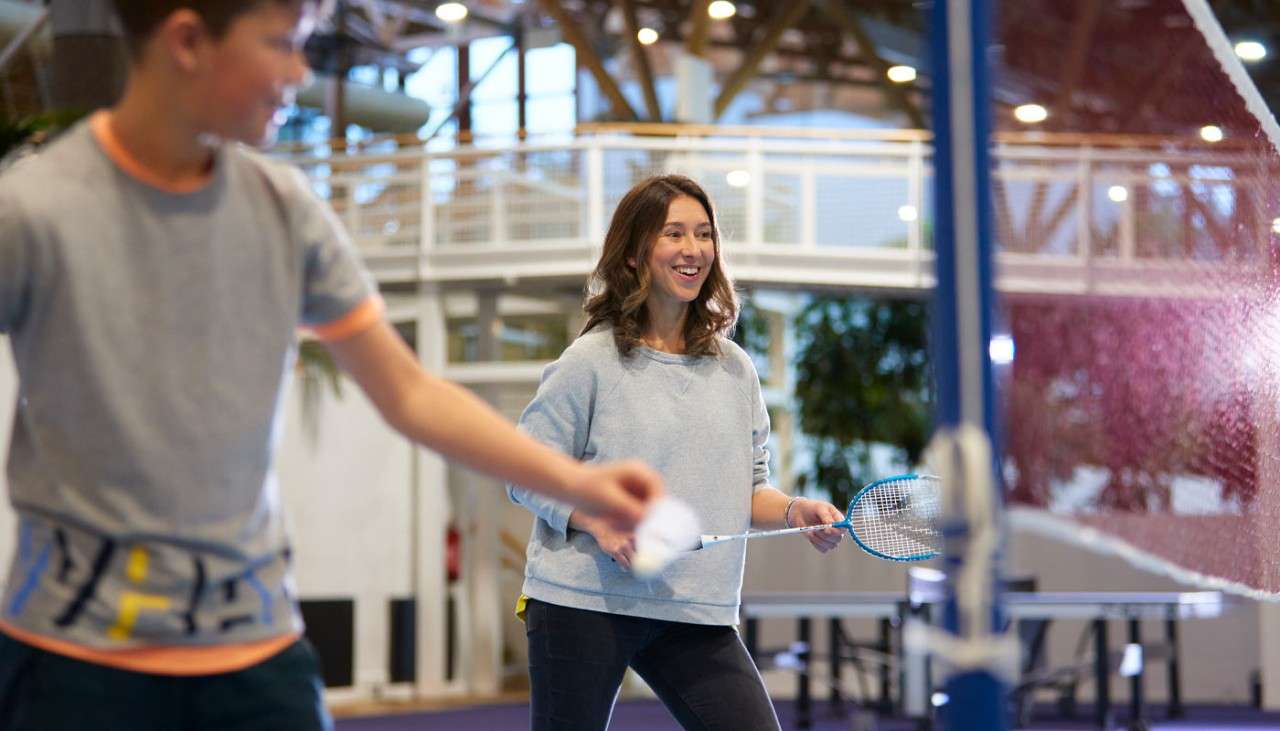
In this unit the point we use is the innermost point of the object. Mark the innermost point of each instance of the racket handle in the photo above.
(711, 540)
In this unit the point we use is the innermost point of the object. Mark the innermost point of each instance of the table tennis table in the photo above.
(893, 608)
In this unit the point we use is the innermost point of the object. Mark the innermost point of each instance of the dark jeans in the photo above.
(44, 691)
(702, 673)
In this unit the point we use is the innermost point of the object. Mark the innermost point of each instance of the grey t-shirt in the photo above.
(154, 333)
(701, 422)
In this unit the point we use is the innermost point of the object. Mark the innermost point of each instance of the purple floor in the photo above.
(651, 716)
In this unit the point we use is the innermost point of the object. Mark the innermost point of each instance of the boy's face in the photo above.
(253, 71)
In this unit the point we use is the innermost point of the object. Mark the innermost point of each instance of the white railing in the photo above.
(798, 212)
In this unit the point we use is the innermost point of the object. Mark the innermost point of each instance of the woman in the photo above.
(653, 376)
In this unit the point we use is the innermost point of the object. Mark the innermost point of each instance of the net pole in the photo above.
(960, 32)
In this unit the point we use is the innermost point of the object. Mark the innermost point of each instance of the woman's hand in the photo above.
(620, 545)
(807, 512)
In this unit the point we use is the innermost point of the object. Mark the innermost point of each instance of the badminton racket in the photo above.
(895, 518)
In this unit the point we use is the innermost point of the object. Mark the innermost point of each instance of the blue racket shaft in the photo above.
(895, 518)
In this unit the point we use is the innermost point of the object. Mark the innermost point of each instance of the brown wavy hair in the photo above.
(616, 291)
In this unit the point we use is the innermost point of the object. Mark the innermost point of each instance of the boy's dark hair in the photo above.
(140, 18)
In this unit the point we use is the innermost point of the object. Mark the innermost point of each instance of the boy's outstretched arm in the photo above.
(451, 420)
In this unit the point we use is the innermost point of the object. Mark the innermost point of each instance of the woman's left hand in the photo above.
(817, 512)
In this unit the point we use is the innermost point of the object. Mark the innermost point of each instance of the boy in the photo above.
(152, 275)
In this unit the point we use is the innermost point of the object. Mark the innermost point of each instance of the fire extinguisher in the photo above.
(453, 553)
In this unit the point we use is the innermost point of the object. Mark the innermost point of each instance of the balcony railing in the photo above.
(854, 210)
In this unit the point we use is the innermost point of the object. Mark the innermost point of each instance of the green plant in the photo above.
(317, 372)
(862, 378)
(752, 330)
(14, 133)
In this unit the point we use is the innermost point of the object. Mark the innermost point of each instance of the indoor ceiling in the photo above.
(1120, 66)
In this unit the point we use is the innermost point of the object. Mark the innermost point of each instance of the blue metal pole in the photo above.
(963, 300)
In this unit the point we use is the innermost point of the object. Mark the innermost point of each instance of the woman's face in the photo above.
(680, 258)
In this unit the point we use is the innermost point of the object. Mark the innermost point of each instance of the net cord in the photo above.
(1046, 524)
(1211, 30)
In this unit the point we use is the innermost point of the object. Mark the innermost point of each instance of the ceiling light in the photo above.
(721, 9)
(1118, 193)
(1211, 133)
(738, 178)
(647, 36)
(451, 12)
(1251, 51)
(901, 74)
(1030, 113)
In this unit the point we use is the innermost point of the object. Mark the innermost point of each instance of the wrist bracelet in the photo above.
(786, 514)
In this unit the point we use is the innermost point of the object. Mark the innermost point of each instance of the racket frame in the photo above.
(848, 525)
(845, 525)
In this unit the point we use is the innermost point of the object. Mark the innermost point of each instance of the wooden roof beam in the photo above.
(699, 26)
(641, 58)
(1077, 53)
(895, 93)
(574, 35)
(751, 64)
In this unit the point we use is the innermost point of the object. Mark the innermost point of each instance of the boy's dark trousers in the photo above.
(44, 691)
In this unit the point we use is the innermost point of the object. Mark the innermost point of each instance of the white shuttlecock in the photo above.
(670, 528)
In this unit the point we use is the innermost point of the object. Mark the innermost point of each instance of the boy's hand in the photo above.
(619, 544)
(618, 494)
(816, 512)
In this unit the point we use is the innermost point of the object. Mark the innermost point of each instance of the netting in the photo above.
(1138, 280)
(898, 518)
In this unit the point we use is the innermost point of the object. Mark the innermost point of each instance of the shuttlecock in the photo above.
(670, 528)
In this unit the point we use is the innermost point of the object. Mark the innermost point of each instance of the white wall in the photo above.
(348, 499)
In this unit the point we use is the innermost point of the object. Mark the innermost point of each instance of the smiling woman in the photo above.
(679, 262)
(663, 223)
(653, 376)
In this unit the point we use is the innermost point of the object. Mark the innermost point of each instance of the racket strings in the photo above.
(898, 518)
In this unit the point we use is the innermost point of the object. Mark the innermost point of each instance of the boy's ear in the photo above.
(182, 35)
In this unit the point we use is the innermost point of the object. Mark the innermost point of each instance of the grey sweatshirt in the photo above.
(701, 422)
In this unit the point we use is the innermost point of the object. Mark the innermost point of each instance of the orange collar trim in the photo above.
(100, 125)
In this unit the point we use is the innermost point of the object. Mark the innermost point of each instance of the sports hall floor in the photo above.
(643, 715)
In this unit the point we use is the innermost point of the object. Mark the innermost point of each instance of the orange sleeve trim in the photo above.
(100, 125)
(165, 660)
(361, 317)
